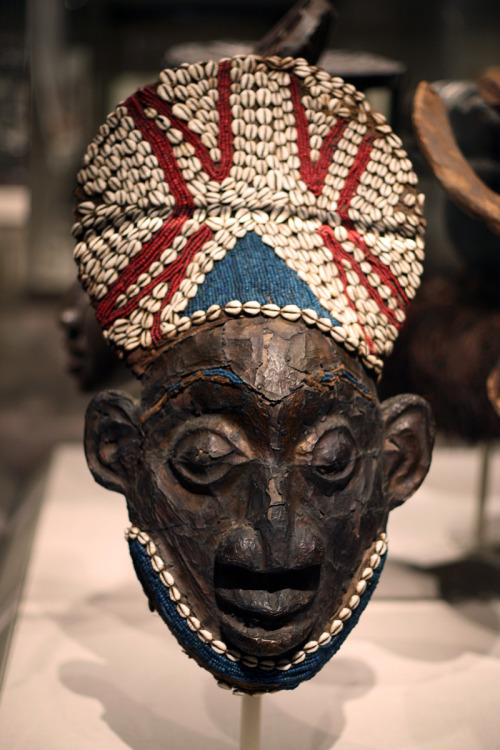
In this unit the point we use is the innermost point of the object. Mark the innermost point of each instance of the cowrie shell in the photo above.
(157, 563)
(270, 310)
(310, 647)
(213, 312)
(298, 657)
(251, 308)
(336, 627)
(290, 312)
(354, 601)
(184, 324)
(361, 587)
(309, 316)
(175, 594)
(324, 324)
(183, 610)
(283, 666)
(233, 308)
(219, 647)
(380, 547)
(199, 316)
(249, 661)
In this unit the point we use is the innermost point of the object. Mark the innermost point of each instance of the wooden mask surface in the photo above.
(259, 471)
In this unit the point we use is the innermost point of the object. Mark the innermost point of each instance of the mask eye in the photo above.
(204, 457)
(334, 458)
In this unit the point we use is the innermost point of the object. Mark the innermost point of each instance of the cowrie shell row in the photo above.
(236, 308)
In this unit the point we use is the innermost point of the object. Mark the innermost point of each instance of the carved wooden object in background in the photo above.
(438, 144)
(302, 32)
(450, 347)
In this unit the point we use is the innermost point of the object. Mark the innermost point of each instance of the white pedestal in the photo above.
(92, 668)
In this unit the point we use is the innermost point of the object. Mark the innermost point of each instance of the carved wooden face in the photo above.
(259, 478)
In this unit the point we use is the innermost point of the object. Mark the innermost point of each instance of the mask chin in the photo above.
(237, 670)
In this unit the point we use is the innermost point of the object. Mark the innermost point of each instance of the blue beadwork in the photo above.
(220, 665)
(252, 271)
(223, 373)
(347, 376)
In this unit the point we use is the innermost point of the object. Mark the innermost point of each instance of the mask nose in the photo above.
(274, 536)
(277, 511)
(275, 522)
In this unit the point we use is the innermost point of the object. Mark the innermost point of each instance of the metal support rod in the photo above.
(483, 494)
(250, 722)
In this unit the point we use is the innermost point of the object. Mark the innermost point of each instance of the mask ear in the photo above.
(409, 437)
(112, 440)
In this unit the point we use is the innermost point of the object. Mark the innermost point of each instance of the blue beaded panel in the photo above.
(220, 666)
(253, 271)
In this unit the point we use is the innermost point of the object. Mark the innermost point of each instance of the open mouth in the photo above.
(292, 640)
(265, 612)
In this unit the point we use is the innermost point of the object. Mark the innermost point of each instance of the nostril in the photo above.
(261, 550)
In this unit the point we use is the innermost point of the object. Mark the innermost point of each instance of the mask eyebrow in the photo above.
(214, 373)
(342, 373)
(224, 374)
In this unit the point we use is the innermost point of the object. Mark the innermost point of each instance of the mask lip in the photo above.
(231, 668)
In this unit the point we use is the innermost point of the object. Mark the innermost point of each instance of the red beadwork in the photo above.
(313, 174)
(339, 255)
(352, 181)
(218, 172)
(106, 311)
(176, 272)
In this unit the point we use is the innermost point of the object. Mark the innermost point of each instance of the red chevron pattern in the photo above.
(216, 151)
(313, 174)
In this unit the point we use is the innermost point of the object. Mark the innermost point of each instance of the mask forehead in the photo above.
(273, 357)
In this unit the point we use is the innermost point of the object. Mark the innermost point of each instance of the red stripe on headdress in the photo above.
(176, 272)
(339, 255)
(385, 273)
(163, 238)
(352, 181)
(313, 174)
(218, 172)
(346, 195)
(184, 205)
(173, 274)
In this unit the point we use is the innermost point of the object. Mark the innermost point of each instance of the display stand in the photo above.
(251, 706)
(483, 494)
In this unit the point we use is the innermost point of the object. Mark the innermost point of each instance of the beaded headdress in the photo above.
(245, 187)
